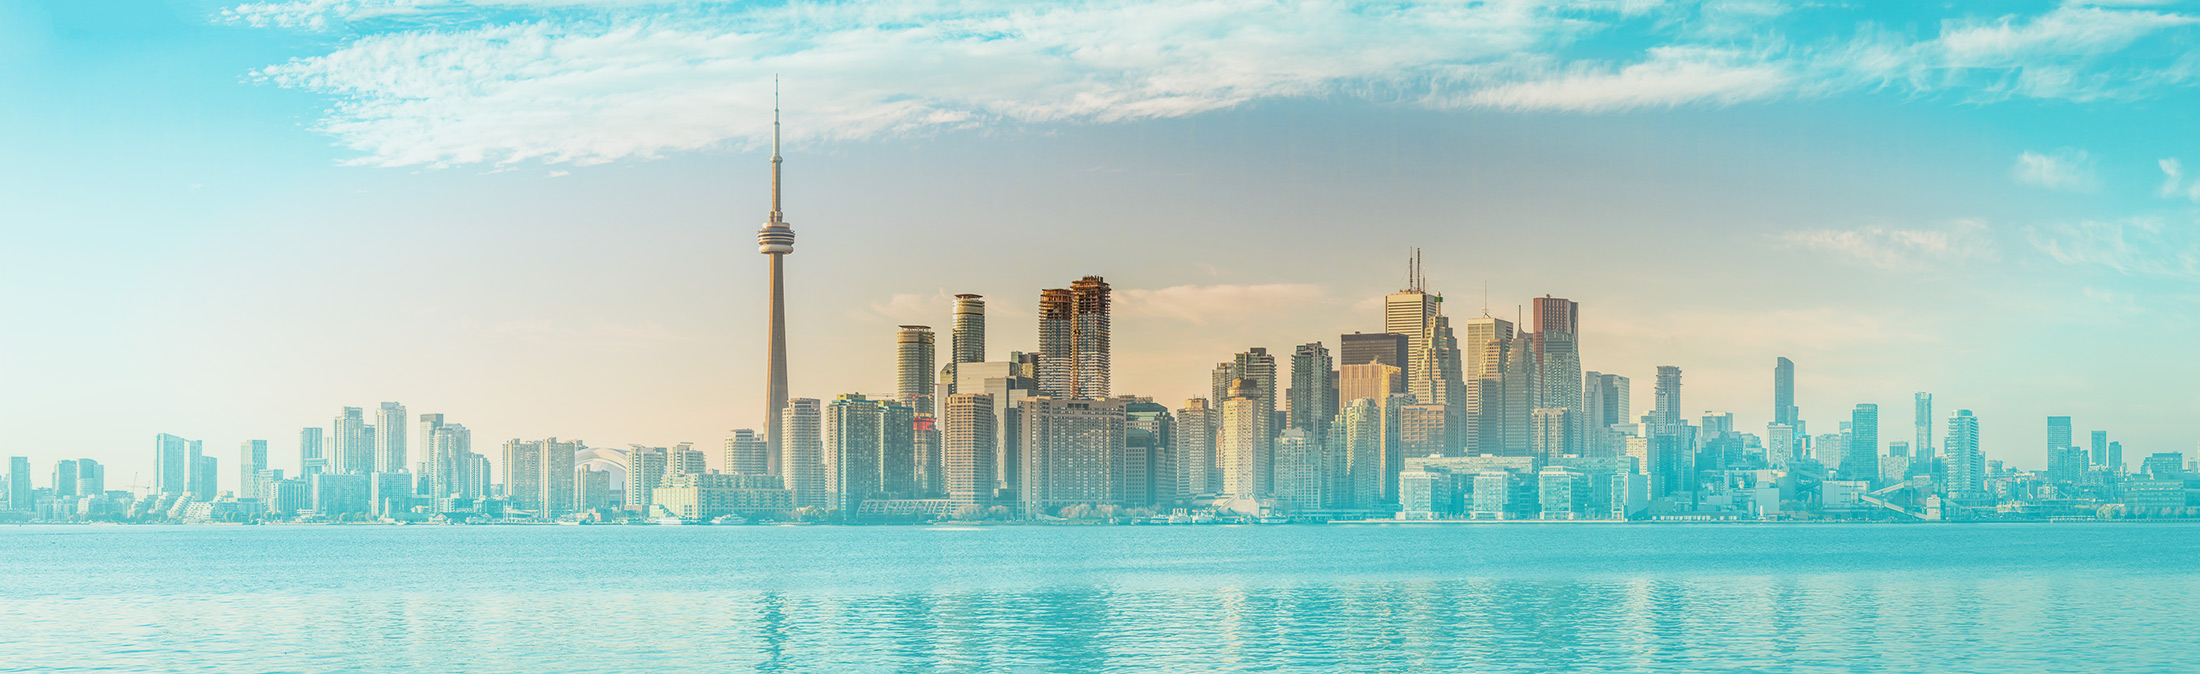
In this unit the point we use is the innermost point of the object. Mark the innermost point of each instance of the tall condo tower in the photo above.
(913, 372)
(776, 240)
(967, 343)
(1073, 340)
(1783, 392)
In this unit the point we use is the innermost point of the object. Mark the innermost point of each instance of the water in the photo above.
(1507, 598)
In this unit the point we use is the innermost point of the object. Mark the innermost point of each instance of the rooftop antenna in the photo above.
(776, 214)
(1485, 298)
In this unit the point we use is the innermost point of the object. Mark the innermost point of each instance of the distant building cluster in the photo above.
(1426, 419)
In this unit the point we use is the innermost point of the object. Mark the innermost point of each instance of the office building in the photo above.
(2099, 454)
(1005, 382)
(1312, 399)
(1150, 476)
(91, 478)
(1784, 410)
(64, 478)
(1356, 447)
(1384, 348)
(1070, 452)
(1557, 347)
(19, 483)
(1425, 430)
(1861, 462)
(1373, 381)
(1487, 346)
(1604, 405)
(1550, 433)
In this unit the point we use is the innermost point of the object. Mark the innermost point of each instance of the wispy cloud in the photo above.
(445, 82)
(2173, 175)
(2144, 246)
(2065, 169)
(1902, 249)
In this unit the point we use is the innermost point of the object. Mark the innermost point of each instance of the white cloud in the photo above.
(1672, 77)
(445, 82)
(2173, 175)
(1225, 303)
(2065, 169)
(909, 308)
(2140, 246)
(1903, 249)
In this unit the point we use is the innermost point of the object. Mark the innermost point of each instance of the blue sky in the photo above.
(227, 220)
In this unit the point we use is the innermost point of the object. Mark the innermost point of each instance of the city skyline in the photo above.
(1889, 243)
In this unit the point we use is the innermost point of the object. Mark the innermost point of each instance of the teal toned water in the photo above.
(1525, 598)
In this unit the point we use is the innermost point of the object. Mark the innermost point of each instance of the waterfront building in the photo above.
(1370, 380)
(645, 471)
(1300, 478)
(869, 451)
(172, 460)
(390, 455)
(744, 454)
(2099, 454)
(1257, 366)
(251, 459)
(1562, 494)
(2163, 465)
(1502, 495)
(312, 452)
(91, 478)
(1488, 343)
(1424, 430)
(1242, 449)
(968, 451)
(338, 496)
(1070, 452)
(351, 447)
(1356, 447)
(1604, 405)
(1150, 476)
(19, 482)
(1194, 441)
(455, 473)
(205, 475)
(523, 472)
(389, 493)
(1550, 434)
(802, 451)
(1861, 461)
(704, 496)
(1005, 382)
(592, 489)
(64, 479)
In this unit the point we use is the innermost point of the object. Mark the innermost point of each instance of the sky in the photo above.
(227, 220)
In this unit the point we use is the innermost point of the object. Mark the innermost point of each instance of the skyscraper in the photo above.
(312, 453)
(436, 468)
(1604, 404)
(19, 482)
(1412, 312)
(868, 451)
(1558, 363)
(1665, 415)
(1550, 431)
(2099, 449)
(64, 478)
(1487, 346)
(645, 472)
(1373, 381)
(776, 239)
(1388, 348)
(1356, 444)
(1074, 344)
(745, 453)
(1149, 455)
(1242, 449)
(1783, 392)
(968, 449)
(1196, 424)
(1520, 395)
(91, 478)
(1300, 479)
(1966, 466)
(352, 448)
(389, 439)
(172, 458)
(1257, 367)
(1312, 399)
(453, 446)
(1861, 462)
(913, 383)
(967, 342)
(1921, 450)
(801, 456)
(251, 459)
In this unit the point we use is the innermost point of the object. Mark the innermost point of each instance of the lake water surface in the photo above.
(1484, 598)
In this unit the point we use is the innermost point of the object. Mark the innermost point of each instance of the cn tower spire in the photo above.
(776, 239)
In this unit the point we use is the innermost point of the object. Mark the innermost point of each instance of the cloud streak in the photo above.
(442, 83)
(1902, 249)
(2065, 170)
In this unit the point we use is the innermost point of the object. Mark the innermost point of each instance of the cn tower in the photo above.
(776, 239)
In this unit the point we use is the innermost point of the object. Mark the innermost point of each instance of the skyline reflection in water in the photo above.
(1459, 598)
